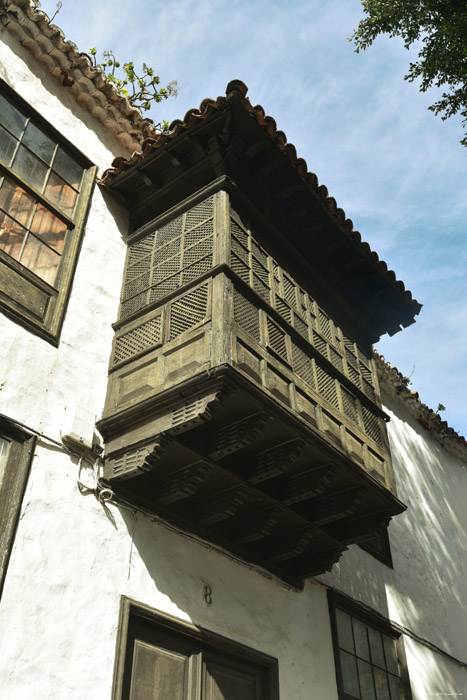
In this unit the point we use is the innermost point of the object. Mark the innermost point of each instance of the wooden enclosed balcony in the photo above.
(239, 408)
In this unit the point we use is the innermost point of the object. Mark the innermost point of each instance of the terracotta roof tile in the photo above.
(75, 70)
(208, 107)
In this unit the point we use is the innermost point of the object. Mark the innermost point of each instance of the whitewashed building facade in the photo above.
(104, 596)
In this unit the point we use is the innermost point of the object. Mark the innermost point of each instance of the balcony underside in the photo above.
(229, 464)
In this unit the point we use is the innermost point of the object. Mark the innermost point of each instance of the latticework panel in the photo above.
(372, 426)
(302, 361)
(176, 317)
(277, 339)
(148, 335)
(327, 386)
(249, 260)
(189, 310)
(349, 404)
(279, 289)
(169, 257)
(246, 315)
(303, 365)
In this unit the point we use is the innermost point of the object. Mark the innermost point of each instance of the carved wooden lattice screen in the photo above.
(168, 258)
(316, 351)
(157, 266)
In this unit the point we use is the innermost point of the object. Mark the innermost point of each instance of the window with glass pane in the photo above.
(33, 230)
(45, 185)
(367, 659)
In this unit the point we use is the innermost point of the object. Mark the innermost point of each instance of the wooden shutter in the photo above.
(159, 658)
(158, 673)
(226, 679)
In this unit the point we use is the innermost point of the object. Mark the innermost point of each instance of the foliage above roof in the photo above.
(75, 71)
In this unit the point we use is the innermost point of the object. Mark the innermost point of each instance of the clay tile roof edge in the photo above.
(75, 70)
(236, 89)
(396, 386)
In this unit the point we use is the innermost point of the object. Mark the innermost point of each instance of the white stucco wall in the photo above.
(426, 591)
(41, 385)
(71, 562)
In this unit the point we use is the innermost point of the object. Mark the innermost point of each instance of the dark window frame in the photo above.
(24, 297)
(385, 555)
(12, 487)
(134, 616)
(346, 604)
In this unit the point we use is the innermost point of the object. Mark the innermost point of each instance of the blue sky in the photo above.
(398, 171)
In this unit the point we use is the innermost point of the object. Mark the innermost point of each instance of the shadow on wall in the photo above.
(429, 544)
(246, 606)
(427, 588)
(425, 591)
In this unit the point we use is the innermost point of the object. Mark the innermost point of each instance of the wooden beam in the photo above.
(286, 546)
(256, 526)
(221, 506)
(308, 484)
(275, 461)
(180, 484)
(336, 506)
(235, 436)
(139, 458)
(317, 563)
(360, 528)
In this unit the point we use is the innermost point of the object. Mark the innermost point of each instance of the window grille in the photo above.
(303, 365)
(372, 426)
(163, 260)
(277, 340)
(147, 335)
(327, 386)
(246, 315)
(189, 310)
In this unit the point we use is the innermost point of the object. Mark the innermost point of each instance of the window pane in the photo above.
(11, 236)
(7, 146)
(29, 168)
(395, 685)
(68, 168)
(50, 229)
(381, 681)
(11, 118)
(349, 674)
(4, 445)
(367, 685)
(361, 639)
(40, 259)
(60, 194)
(376, 647)
(390, 653)
(344, 631)
(39, 143)
(16, 202)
